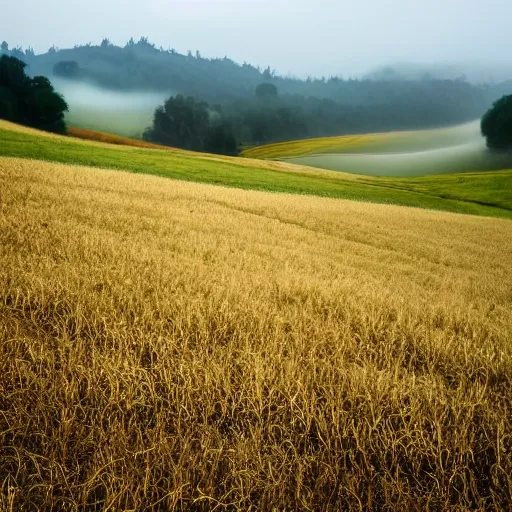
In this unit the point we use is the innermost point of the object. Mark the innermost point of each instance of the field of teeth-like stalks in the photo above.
(179, 346)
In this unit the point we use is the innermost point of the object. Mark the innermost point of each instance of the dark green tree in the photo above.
(29, 101)
(12, 73)
(267, 74)
(220, 139)
(47, 108)
(8, 104)
(266, 90)
(144, 42)
(181, 122)
(67, 69)
(187, 123)
(18, 53)
(496, 125)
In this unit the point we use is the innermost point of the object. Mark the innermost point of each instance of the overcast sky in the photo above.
(317, 37)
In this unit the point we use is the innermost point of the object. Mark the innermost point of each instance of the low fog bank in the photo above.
(121, 113)
(421, 140)
(460, 149)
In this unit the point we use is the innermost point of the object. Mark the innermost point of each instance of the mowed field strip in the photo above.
(170, 345)
(482, 193)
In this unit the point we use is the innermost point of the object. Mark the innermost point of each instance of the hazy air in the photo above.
(301, 37)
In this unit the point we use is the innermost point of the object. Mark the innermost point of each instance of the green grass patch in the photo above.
(487, 193)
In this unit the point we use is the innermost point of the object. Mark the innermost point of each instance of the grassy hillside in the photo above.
(409, 153)
(458, 159)
(178, 346)
(378, 143)
(488, 193)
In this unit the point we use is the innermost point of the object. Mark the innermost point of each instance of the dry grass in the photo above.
(170, 346)
(109, 138)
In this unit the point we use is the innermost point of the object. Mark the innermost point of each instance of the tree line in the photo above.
(29, 101)
(216, 105)
(140, 65)
(267, 116)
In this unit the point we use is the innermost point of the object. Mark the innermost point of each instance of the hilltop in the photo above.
(140, 66)
(227, 106)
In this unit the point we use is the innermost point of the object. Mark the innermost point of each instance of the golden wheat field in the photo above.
(178, 346)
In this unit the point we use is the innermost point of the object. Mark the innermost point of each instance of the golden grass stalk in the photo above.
(176, 346)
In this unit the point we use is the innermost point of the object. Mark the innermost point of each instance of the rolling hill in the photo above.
(485, 193)
(370, 143)
(404, 154)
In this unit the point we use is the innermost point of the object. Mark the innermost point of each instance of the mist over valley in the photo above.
(119, 112)
(443, 151)
(217, 105)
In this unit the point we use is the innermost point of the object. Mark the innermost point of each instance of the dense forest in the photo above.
(140, 65)
(268, 117)
(253, 105)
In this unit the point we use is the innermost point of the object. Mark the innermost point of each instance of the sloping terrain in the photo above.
(371, 143)
(170, 345)
(402, 154)
(485, 193)
(109, 138)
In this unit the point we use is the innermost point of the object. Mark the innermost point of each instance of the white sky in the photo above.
(317, 37)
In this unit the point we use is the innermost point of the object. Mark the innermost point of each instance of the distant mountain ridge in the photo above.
(476, 74)
(142, 66)
(243, 103)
